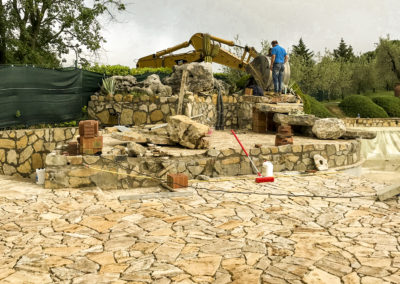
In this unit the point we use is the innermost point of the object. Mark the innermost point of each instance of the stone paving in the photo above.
(221, 236)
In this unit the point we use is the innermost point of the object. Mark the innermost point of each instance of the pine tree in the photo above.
(343, 52)
(303, 52)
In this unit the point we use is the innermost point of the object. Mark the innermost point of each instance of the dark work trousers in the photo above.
(220, 112)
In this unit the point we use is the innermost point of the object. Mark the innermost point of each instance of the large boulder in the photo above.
(124, 84)
(329, 128)
(153, 83)
(200, 77)
(303, 120)
(186, 132)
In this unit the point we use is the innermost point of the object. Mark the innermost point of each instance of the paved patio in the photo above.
(232, 231)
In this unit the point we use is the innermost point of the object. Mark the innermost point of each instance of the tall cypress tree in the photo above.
(343, 52)
(303, 52)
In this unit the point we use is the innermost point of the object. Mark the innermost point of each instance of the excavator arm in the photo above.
(208, 48)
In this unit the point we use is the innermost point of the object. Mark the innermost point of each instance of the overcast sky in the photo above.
(151, 25)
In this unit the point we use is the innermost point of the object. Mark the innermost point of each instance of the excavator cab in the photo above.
(208, 48)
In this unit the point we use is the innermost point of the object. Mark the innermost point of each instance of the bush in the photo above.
(357, 104)
(311, 105)
(390, 104)
(120, 70)
(317, 108)
(242, 82)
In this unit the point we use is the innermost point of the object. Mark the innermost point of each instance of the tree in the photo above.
(388, 62)
(41, 31)
(265, 47)
(344, 52)
(363, 73)
(303, 52)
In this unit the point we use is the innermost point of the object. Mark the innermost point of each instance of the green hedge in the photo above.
(311, 105)
(364, 106)
(120, 70)
(390, 104)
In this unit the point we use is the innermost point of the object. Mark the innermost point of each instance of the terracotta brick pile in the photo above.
(89, 140)
(259, 121)
(284, 135)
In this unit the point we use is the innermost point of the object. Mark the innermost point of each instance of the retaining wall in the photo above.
(24, 151)
(62, 171)
(372, 122)
(134, 110)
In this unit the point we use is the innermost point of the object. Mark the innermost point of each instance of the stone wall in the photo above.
(80, 171)
(145, 109)
(24, 151)
(372, 122)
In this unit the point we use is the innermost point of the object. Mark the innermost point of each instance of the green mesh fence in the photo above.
(31, 95)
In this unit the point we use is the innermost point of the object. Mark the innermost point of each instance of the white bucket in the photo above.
(268, 169)
(40, 176)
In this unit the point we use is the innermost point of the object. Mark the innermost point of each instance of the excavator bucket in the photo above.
(259, 69)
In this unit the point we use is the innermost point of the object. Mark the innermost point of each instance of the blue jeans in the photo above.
(277, 76)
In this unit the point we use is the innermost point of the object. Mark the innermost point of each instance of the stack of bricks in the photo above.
(284, 135)
(177, 180)
(259, 121)
(89, 140)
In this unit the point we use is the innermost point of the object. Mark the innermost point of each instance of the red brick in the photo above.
(177, 180)
(89, 128)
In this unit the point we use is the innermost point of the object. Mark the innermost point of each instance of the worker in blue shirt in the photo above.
(278, 60)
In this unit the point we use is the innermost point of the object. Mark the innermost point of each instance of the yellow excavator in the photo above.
(208, 48)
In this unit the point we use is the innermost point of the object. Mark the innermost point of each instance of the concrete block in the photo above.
(388, 192)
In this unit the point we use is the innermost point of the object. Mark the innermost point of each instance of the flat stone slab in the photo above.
(155, 195)
(302, 120)
(279, 108)
(352, 133)
(226, 231)
(388, 192)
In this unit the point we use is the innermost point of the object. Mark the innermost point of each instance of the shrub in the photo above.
(242, 82)
(317, 108)
(357, 104)
(390, 104)
(120, 70)
(311, 105)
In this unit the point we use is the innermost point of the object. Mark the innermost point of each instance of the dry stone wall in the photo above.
(24, 151)
(372, 122)
(145, 109)
(112, 172)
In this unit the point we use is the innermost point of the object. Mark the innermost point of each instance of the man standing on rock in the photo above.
(278, 60)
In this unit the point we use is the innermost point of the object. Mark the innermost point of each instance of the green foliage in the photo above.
(242, 82)
(311, 105)
(344, 52)
(109, 85)
(364, 106)
(363, 75)
(42, 31)
(120, 70)
(388, 62)
(390, 104)
(300, 50)
(317, 108)
(332, 78)
(18, 113)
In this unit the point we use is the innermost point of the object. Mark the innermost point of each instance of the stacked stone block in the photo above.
(24, 151)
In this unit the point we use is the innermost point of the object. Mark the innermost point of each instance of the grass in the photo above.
(334, 108)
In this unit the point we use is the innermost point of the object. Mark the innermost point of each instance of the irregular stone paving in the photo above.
(88, 236)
